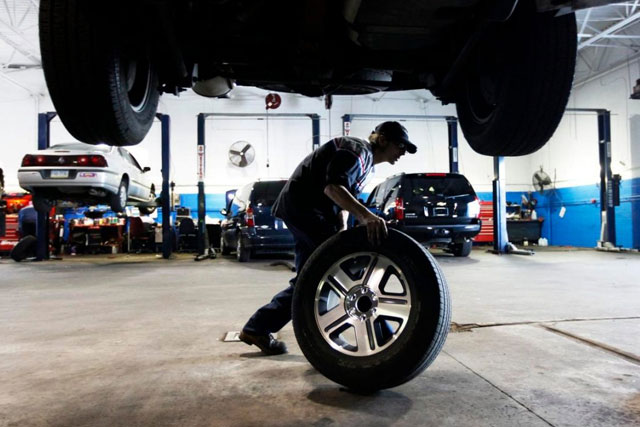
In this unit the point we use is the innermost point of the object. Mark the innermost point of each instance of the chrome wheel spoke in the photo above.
(365, 338)
(394, 307)
(332, 319)
(339, 279)
(337, 286)
(377, 274)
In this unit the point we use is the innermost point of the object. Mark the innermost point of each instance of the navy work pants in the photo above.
(273, 316)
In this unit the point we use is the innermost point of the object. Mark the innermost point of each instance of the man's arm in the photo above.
(376, 227)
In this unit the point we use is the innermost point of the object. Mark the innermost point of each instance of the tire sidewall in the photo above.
(138, 123)
(243, 254)
(406, 356)
(116, 203)
(523, 96)
(24, 249)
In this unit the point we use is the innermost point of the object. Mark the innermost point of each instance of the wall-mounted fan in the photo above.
(541, 180)
(241, 154)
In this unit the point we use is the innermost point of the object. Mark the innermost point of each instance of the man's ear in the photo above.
(382, 141)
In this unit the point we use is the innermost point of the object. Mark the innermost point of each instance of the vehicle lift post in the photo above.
(42, 222)
(167, 240)
(452, 129)
(607, 182)
(202, 235)
(500, 236)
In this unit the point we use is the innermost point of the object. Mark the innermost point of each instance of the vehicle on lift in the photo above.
(87, 173)
(249, 227)
(508, 65)
(439, 209)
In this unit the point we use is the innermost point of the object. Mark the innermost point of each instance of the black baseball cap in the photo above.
(394, 131)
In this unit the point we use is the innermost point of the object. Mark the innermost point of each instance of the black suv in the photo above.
(249, 227)
(433, 208)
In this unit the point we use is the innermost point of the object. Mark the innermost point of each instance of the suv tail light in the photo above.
(249, 217)
(58, 161)
(399, 210)
(473, 208)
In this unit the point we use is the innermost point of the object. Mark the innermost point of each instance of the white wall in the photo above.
(572, 153)
(288, 140)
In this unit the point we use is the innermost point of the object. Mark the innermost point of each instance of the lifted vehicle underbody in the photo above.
(312, 47)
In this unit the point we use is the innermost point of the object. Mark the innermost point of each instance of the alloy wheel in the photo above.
(362, 304)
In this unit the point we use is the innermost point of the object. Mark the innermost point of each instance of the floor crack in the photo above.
(465, 327)
(499, 389)
(617, 352)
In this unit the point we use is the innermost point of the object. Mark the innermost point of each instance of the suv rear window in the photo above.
(421, 187)
(266, 193)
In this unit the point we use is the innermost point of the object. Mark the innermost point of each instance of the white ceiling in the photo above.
(608, 36)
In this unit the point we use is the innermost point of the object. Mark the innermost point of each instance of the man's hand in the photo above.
(376, 228)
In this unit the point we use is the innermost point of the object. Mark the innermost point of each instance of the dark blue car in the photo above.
(249, 228)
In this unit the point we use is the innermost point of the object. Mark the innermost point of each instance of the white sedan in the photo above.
(87, 173)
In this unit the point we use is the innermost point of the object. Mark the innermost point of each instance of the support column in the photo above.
(500, 237)
(315, 131)
(167, 235)
(346, 125)
(42, 222)
(452, 125)
(202, 226)
(607, 207)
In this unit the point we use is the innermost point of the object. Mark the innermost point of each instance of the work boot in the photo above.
(267, 343)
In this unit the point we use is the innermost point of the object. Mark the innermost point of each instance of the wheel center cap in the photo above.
(361, 303)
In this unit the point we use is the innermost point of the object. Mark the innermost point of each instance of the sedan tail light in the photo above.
(58, 161)
(250, 218)
(29, 160)
(399, 210)
(98, 161)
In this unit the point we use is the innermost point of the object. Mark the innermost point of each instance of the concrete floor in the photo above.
(551, 339)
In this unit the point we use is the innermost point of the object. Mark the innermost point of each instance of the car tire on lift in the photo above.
(385, 324)
(243, 253)
(462, 249)
(90, 72)
(25, 248)
(118, 201)
(517, 84)
(149, 209)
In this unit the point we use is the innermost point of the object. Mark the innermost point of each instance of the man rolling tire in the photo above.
(312, 204)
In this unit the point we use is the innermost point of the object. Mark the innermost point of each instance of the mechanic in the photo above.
(315, 204)
(27, 218)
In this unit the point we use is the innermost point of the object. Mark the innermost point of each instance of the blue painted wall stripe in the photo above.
(580, 225)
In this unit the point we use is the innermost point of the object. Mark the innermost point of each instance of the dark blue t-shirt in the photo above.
(345, 161)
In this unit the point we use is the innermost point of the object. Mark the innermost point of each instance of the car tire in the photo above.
(118, 201)
(25, 248)
(224, 249)
(101, 92)
(243, 252)
(462, 249)
(41, 204)
(149, 209)
(516, 86)
(389, 356)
